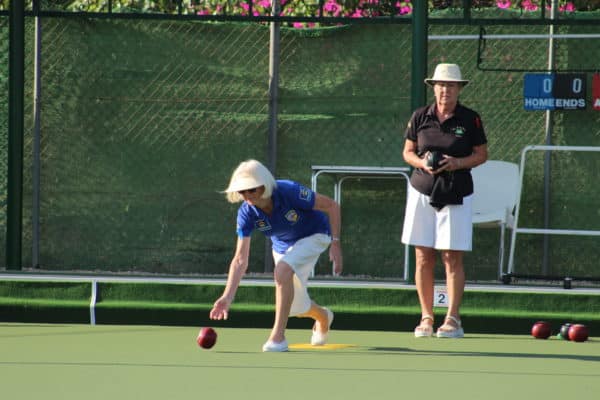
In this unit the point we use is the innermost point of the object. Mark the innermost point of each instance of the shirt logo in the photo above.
(262, 225)
(305, 193)
(292, 216)
(459, 131)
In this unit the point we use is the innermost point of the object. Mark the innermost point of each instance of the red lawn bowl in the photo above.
(541, 330)
(579, 333)
(206, 338)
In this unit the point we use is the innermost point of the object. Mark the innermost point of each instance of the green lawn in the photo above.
(151, 362)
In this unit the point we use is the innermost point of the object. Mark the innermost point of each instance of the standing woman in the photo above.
(301, 225)
(443, 142)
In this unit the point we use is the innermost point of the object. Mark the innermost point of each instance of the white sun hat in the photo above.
(250, 174)
(446, 73)
(243, 182)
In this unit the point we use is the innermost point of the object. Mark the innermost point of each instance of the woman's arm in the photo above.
(332, 209)
(237, 269)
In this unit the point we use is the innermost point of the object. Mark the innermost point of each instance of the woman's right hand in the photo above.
(424, 164)
(220, 309)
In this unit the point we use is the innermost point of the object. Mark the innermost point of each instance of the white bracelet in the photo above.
(335, 239)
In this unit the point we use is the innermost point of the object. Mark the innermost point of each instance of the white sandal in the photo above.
(453, 332)
(424, 330)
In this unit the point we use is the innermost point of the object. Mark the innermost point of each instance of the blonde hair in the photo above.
(250, 174)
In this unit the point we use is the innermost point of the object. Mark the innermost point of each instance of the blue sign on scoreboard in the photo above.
(554, 91)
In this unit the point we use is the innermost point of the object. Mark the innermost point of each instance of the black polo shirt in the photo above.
(455, 137)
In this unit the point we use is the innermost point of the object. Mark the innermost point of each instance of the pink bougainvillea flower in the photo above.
(403, 7)
(298, 25)
(503, 3)
(568, 6)
(332, 7)
(405, 10)
(529, 5)
(267, 3)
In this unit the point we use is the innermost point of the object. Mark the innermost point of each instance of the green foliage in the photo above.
(299, 8)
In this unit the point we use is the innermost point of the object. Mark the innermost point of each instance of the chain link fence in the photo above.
(144, 120)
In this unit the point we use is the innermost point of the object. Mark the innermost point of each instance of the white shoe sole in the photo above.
(453, 334)
(423, 333)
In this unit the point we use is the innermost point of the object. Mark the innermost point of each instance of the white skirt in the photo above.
(451, 228)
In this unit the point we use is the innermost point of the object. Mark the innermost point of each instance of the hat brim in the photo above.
(432, 82)
(243, 183)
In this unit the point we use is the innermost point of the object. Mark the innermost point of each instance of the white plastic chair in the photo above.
(496, 185)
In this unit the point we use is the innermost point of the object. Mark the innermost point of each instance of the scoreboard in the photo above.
(555, 91)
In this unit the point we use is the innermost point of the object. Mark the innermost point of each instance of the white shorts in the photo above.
(451, 228)
(302, 257)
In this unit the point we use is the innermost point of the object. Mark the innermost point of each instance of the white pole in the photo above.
(93, 299)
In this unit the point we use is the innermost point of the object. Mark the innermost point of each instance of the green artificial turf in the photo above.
(71, 362)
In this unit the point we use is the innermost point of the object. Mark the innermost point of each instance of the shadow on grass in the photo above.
(396, 350)
(290, 367)
(64, 330)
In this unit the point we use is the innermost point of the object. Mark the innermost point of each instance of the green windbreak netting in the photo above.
(345, 98)
(143, 121)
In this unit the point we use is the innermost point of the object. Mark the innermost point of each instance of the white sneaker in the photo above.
(319, 338)
(271, 346)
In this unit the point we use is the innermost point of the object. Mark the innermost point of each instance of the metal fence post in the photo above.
(548, 142)
(274, 58)
(14, 207)
(418, 74)
(35, 212)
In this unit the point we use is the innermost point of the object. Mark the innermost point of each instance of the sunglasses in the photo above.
(253, 190)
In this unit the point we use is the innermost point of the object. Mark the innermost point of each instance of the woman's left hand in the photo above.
(335, 256)
(449, 163)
